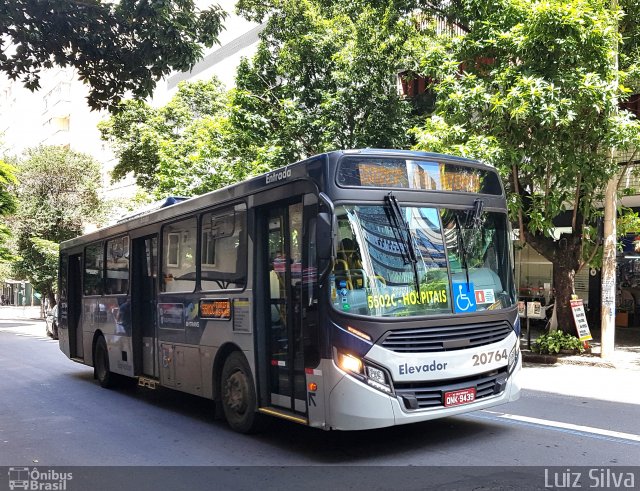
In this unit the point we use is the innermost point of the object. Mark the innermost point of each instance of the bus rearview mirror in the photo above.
(324, 239)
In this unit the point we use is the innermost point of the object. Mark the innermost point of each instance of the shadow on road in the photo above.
(323, 447)
(338, 447)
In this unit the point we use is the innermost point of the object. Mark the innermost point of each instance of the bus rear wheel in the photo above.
(238, 394)
(101, 364)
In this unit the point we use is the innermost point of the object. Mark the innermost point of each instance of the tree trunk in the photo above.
(563, 282)
(565, 255)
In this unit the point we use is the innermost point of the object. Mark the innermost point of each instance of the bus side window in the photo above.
(223, 250)
(117, 278)
(179, 256)
(93, 269)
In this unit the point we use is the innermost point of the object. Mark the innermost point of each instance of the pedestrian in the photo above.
(2, 299)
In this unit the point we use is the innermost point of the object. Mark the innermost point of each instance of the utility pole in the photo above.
(608, 310)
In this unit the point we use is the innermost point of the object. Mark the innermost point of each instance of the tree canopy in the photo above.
(323, 78)
(57, 196)
(8, 206)
(116, 47)
(532, 87)
(176, 149)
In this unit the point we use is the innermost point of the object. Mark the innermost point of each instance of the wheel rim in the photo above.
(236, 390)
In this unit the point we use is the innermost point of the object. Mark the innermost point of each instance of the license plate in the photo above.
(458, 397)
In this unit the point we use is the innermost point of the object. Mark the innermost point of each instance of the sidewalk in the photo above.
(626, 355)
(10, 312)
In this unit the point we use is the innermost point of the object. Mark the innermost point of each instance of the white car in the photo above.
(51, 321)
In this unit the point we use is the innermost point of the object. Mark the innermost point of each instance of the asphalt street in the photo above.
(52, 413)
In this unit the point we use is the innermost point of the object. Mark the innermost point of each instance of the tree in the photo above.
(532, 88)
(7, 206)
(176, 149)
(116, 47)
(629, 48)
(57, 196)
(323, 78)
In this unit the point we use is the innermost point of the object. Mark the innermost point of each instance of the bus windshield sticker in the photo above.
(464, 298)
(485, 296)
(215, 308)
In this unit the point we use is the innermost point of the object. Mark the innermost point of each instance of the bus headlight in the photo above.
(364, 371)
(349, 363)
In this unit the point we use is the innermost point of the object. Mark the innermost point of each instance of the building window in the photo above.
(632, 104)
(418, 90)
(411, 85)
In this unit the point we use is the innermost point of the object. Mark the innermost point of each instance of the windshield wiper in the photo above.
(404, 236)
(474, 222)
(463, 247)
(476, 214)
(401, 225)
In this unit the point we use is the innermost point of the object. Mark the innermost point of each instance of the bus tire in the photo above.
(101, 368)
(238, 394)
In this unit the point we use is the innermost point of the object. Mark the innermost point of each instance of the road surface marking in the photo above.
(590, 431)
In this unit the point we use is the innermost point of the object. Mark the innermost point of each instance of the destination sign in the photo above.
(215, 308)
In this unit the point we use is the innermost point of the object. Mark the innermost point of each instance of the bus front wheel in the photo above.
(101, 364)
(238, 394)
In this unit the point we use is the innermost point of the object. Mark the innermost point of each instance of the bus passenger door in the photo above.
(284, 269)
(143, 305)
(74, 307)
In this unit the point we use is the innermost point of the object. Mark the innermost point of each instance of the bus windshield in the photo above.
(399, 261)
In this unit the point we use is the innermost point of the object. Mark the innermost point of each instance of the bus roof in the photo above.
(177, 206)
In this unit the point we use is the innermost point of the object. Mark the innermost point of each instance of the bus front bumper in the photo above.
(354, 405)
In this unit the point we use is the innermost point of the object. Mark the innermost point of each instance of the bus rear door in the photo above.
(143, 308)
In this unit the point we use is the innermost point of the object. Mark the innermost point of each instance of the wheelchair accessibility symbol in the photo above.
(464, 297)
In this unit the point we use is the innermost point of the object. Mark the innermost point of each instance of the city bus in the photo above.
(353, 290)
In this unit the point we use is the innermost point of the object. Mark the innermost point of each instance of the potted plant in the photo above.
(556, 342)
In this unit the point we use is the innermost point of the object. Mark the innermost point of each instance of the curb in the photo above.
(531, 357)
(536, 358)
